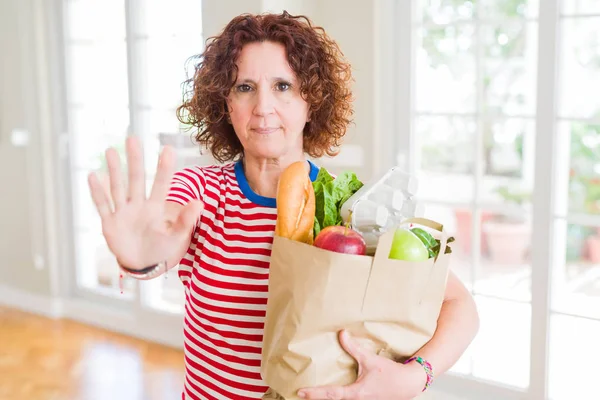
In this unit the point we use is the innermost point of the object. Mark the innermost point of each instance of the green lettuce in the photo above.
(330, 194)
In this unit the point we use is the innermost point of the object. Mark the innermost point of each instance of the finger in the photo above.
(330, 393)
(105, 183)
(353, 348)
(117, 188)
(188, 217)
(135, 161)
(99, 196)
(164, 174)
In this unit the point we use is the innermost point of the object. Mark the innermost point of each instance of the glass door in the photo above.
(473, 134)
(474, 131)
(164, 38)
(575, 302)
(125, 64)
(98, 117)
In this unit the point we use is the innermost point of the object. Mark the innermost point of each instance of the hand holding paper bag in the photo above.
(374, 376)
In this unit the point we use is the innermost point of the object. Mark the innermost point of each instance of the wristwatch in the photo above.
(147, 272)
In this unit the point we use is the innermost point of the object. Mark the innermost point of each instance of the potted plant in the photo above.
(584, 182)
(508, 234)
(592, 206)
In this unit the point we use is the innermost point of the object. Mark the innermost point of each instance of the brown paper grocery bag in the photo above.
(390, 306)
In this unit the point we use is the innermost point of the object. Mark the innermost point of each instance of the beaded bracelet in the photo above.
(426, 366)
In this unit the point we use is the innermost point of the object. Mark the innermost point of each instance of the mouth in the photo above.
(265, 131)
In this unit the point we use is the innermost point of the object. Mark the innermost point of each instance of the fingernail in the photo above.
(301, 394)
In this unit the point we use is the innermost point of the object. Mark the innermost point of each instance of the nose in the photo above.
(264, 101)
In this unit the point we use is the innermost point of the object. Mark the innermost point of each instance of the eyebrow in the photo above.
(275, 79)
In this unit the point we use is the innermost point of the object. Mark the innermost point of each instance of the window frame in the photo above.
(548, 157)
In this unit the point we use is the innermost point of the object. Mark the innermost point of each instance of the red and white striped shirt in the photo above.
(225, 273)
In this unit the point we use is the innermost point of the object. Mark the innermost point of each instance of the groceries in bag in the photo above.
(347, 213)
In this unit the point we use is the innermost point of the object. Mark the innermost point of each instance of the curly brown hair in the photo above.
(317, 61)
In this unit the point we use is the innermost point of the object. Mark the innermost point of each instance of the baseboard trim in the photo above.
(31, 302)
(157, 327)
(469, 388)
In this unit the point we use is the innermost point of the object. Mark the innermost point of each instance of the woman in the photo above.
(269, 91)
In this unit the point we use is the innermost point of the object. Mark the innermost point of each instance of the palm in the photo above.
(139, 231)
(139, 236)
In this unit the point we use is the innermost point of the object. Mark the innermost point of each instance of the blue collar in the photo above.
(256, 198)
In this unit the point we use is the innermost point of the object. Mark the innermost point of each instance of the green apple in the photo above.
(408, 247)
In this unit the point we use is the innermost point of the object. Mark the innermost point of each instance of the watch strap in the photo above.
(146, 272)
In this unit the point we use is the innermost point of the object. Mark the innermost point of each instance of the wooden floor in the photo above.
(45, 359)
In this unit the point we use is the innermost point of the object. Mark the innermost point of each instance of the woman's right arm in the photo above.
(143, 230)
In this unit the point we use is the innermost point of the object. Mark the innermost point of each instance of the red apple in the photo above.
(341, 239)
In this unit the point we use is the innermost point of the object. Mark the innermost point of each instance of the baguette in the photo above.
(295, 204)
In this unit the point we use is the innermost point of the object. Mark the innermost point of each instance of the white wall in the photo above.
(24, 245)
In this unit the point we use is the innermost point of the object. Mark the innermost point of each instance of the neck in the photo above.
(263, 174)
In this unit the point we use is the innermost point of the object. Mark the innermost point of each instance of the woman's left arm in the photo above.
(457, 326)
(380, 377)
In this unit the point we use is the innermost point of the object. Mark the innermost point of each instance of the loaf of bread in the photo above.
(296, 204)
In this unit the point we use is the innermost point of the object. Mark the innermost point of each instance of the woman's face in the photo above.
(267, 111)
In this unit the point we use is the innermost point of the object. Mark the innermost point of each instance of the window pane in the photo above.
(580, 68)
(457, 224)
(160, 127)
(170, 19)
(573, 340)
(577, 274)
(510, 68)
(504, 334)
(579, 7)
(446, 152)
(84, 211)
(445, 11)
(166, 67)
(164, 121)
(89, 19)
(152, 124)
(445, 65)
(98, 74)
(505, 269)
(97, 268)
(165, 293)
(500, 10)
(509, 154)
(92, 131)
(584, 167)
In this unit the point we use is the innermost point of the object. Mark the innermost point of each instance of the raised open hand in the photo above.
(142, 230)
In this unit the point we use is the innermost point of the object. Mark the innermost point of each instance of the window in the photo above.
(126, 61)
(575, 300)
(474, 127)
(474, 130)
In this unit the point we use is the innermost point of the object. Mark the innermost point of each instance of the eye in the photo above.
(244, 87)
(283, 86)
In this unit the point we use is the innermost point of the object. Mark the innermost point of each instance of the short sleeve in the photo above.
(187, 184)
